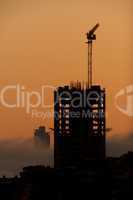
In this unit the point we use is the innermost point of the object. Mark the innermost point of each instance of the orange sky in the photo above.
(43, 42)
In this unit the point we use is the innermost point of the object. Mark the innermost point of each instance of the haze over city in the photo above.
(43, 43)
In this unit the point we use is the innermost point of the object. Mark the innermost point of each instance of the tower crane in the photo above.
(90, 37)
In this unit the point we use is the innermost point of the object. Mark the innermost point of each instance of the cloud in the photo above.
(118, 145)
(18, 153)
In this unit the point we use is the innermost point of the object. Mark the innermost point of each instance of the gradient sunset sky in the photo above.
(42, 42)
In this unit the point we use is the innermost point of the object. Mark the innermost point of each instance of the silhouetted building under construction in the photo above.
(79, 121)
(79, 124)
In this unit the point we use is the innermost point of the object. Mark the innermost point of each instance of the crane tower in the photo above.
(90, 37)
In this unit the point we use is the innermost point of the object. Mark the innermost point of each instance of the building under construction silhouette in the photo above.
(79, 119)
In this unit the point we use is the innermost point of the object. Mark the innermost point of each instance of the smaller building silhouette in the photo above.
(41, 136)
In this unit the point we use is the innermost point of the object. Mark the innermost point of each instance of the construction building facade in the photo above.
(79, 124)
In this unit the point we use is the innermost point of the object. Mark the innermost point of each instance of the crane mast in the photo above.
(90, 37)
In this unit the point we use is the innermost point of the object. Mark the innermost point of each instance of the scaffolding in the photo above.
(79, 124)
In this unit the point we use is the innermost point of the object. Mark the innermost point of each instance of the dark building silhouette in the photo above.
(79, 121)
(39, 182)
(41, 136)
(79, 124)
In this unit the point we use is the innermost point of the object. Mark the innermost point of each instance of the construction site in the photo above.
(79, 121)
(81, 168)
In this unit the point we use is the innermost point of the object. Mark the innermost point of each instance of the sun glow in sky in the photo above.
(43, 43)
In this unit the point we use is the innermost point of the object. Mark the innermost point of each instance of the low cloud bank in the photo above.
(18, 153)
(118, 145)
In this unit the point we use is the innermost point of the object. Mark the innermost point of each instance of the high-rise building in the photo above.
(79, 124)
